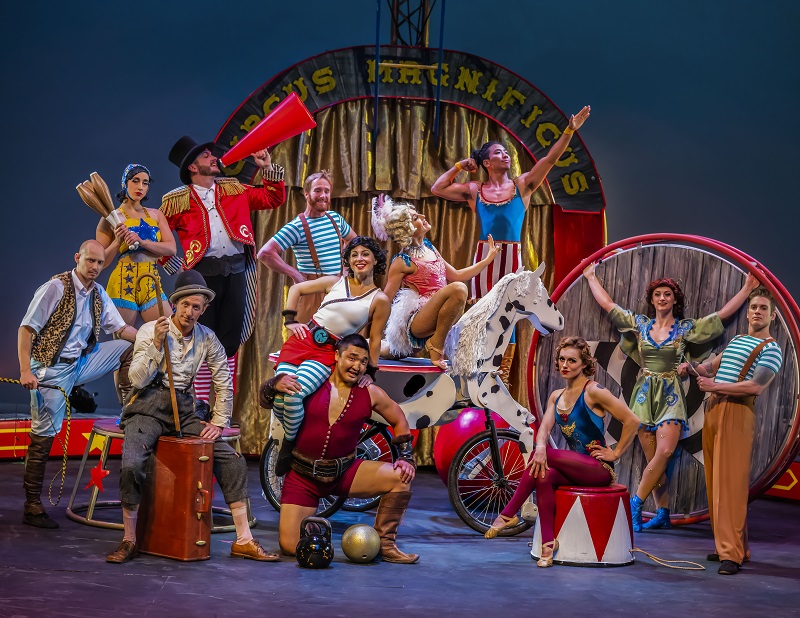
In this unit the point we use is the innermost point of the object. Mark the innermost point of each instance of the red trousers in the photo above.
(565, 468)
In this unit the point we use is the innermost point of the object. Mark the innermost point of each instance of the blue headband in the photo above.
(131, 171)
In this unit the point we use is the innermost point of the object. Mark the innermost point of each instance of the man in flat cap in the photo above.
(149, 416)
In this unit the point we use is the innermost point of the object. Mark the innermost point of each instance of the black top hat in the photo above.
(190, 282)
(184, 153)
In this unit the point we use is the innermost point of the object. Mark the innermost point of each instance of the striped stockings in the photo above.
(289, 408)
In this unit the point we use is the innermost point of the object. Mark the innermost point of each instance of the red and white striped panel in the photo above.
(507, 260)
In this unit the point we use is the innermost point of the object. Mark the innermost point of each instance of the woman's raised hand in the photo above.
(468, 165)
(493, 248)
(576, 121)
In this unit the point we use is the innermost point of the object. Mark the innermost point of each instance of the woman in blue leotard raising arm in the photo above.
(500, 204)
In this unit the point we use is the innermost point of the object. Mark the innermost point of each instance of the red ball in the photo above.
(452, 435)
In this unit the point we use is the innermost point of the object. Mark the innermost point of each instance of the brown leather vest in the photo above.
(50, 341)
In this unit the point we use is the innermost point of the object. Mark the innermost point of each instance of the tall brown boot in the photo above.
(390, 511)
(121, 377)
(505, 365)
(35, 462)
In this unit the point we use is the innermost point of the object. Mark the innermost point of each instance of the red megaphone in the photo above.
(288, 119)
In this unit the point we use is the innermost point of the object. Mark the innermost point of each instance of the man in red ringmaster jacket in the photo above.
(211, 216)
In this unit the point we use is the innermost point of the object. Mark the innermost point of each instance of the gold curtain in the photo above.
(404, 162)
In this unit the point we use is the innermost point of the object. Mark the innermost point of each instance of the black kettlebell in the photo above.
(315, 549)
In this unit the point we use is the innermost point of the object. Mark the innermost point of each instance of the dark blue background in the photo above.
(694, 107)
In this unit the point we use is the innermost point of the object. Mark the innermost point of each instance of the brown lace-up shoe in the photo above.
(124, 553)
(252, 550)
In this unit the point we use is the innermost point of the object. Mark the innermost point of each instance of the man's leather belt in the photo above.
(67, 361)
(221, 266)
(321, 335)
(321, 470)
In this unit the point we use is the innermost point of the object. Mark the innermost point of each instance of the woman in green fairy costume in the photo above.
(659, 345)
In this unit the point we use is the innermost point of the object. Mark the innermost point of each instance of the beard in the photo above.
(206, 170)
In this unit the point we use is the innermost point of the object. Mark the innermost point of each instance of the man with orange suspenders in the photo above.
(734, 378)
(315, 236)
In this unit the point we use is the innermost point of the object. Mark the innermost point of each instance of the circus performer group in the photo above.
(339, 323)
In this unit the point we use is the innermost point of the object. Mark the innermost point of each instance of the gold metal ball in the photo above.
(361, 543)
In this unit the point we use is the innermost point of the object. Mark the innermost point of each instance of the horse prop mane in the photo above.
(476, 343)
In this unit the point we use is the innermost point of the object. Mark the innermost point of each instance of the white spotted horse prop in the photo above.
(476, 343)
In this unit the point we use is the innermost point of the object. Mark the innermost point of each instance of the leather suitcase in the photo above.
(175, 513)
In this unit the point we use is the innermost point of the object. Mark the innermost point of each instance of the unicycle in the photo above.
(484, 475)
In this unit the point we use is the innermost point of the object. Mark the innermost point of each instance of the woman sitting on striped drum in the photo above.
(352, 302)
(659, 344)
(588, 462)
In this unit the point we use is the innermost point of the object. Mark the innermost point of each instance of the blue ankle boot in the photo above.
(661, 520)
(636, 513)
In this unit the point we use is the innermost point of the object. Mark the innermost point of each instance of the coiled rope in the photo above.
(63, 471)
(671, 564)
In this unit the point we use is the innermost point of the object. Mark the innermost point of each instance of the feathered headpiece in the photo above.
(392, 220)
(381, 206)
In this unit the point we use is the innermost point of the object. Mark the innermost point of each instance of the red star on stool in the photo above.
(98, 474)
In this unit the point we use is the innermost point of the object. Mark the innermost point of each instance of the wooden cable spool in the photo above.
(710, 273)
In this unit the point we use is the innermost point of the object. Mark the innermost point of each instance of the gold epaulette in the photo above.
(176, 201)
(230, 186)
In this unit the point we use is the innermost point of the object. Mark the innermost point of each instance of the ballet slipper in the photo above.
(498, 525)
(661, 520)
(547, 561)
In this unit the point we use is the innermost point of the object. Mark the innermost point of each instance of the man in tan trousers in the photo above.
(743, 370)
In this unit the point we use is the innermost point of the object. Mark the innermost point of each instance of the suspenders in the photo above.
(310, 240)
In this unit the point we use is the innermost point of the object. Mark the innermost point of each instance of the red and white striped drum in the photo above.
(592, 525)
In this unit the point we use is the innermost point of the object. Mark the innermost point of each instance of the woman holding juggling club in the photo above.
(140, 237)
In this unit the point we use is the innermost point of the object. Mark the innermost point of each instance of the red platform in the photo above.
(788, 485)
(14, 439)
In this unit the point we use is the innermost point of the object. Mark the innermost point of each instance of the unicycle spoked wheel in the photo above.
(481, 482)
(272, 484)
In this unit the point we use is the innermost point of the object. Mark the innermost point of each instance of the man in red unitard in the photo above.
(324, 460)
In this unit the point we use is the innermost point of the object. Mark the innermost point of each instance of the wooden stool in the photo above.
(85, 513)
(108, 429)
(592, 525)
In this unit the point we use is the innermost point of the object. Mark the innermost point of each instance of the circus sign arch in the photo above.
(466, 80)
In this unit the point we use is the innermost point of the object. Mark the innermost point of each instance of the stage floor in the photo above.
(63, 572)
